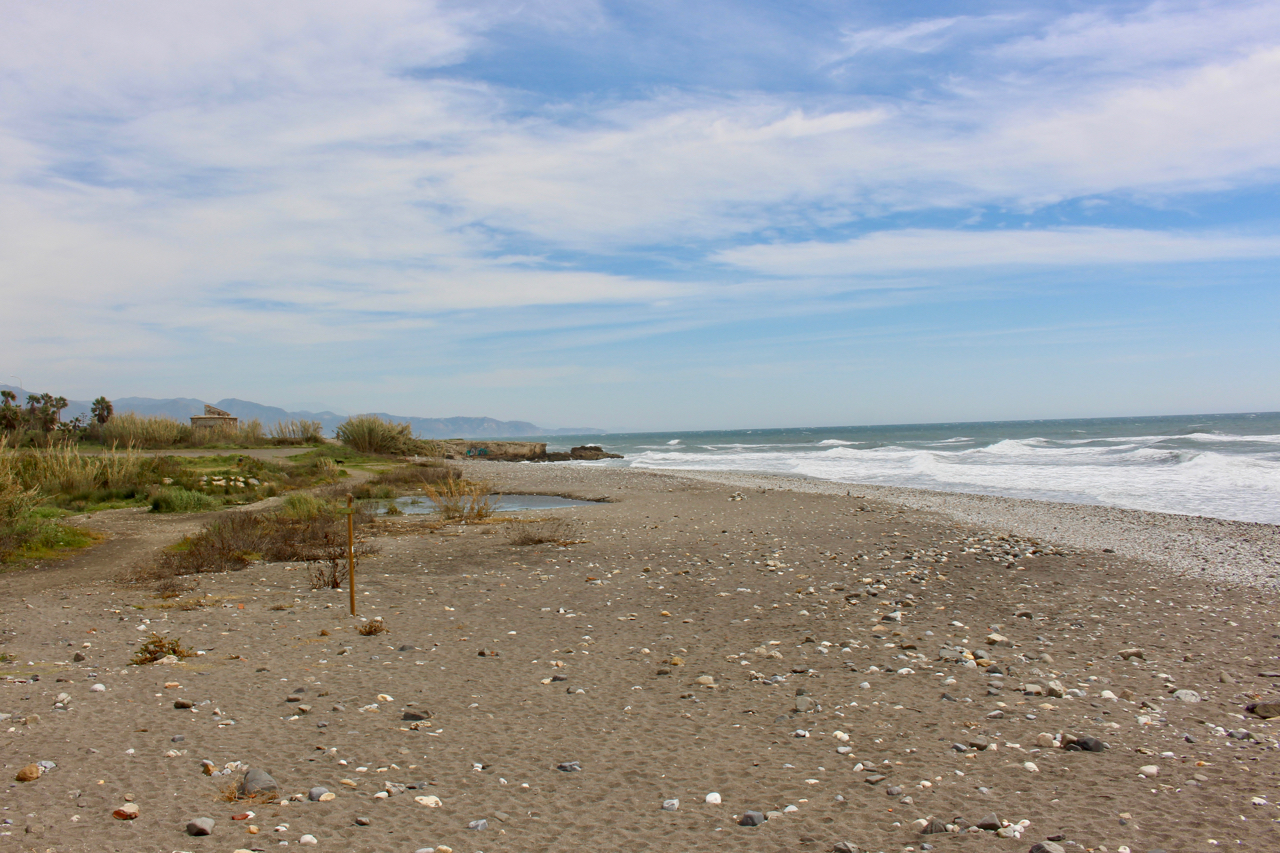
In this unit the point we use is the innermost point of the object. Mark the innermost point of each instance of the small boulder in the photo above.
(200, 826)
(30, 773)
(257, 781)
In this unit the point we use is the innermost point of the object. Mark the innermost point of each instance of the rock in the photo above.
(328, 796)
(316, 793)
(569, 766)
(363, 821)
(670, 805)
(751, 819)
(129, 811)
(308, 839)
(30, 773)
(804, 704)
(478, 825)
(999, 640)
(183, 704)
(1225, 677)
(1046, 847)
(1055, 689)
(79, 657)
(414, 716)
(1090, 744)
(705, 680)
(1266, 710)
(1189, 696)
(845, 847)
(98, 688)
(1126, 654)
(990, 823)
(1044, 740)
(1149, 770)
(257, 781)
(933, 827)
(200, 826)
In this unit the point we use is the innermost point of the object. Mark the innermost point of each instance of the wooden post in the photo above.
(351, 551)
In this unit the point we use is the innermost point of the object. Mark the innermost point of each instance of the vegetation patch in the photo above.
(178, 499)
(157, 647)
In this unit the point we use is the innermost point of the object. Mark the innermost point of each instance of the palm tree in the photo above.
(102, 410)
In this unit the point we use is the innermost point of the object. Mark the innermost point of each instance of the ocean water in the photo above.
(1222, 466)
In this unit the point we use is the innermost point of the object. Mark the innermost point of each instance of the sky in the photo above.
(646, 215)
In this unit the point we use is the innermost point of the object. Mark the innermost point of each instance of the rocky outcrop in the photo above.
(520, 451)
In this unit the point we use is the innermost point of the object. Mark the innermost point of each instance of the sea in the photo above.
(1221, 466)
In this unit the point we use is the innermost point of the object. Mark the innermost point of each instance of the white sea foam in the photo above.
(1179, 474)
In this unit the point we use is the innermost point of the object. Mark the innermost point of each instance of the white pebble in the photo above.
(713, 798)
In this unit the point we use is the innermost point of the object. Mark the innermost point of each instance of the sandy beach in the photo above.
(852, 664)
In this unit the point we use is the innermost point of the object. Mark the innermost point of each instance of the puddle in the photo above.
(411, 505)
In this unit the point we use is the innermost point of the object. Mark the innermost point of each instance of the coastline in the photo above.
(1223, 549)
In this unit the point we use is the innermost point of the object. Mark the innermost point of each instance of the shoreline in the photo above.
(1184, 544)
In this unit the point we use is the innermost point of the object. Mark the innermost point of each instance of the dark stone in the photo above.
(183, 704)
(200, 826)
(591, 452)
(1266, 710)
(752, 819)
(178, 738)
(316, 793)
(933, 827)
(1090, 744)
(990, 823)
(1046, 847)
(407, 648)
(569, 766)
(845, 847)
(414, 716)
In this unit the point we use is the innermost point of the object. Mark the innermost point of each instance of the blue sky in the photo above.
(646, 216)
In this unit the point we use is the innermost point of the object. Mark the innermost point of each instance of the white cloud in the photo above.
(910, 250)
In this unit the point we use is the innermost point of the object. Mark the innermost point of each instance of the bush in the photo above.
(541, 532)
(157, 647)
(461, 500)
(416, 476)
(132, 430)
(178, 499)
(307, 531)
(371, 434)
(297, 432)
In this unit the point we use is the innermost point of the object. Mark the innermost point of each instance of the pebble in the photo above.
(128, 811)
(478, 825)
(713, 798)
(569, 766)
(30, 773)
(1149, 770)
(308, 839)
(200, 826)
(1188, 696)
(431, 801)
(316, 793)
(751, 818)
(98, 688)
(670, 805)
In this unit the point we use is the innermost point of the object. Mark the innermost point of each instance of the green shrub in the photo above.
(371, 434)
(178, 499)
(305, 507)
(297, 432)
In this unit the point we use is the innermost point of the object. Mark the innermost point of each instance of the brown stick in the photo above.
(351, 551)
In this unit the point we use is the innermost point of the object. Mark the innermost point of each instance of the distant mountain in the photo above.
(181, 408)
